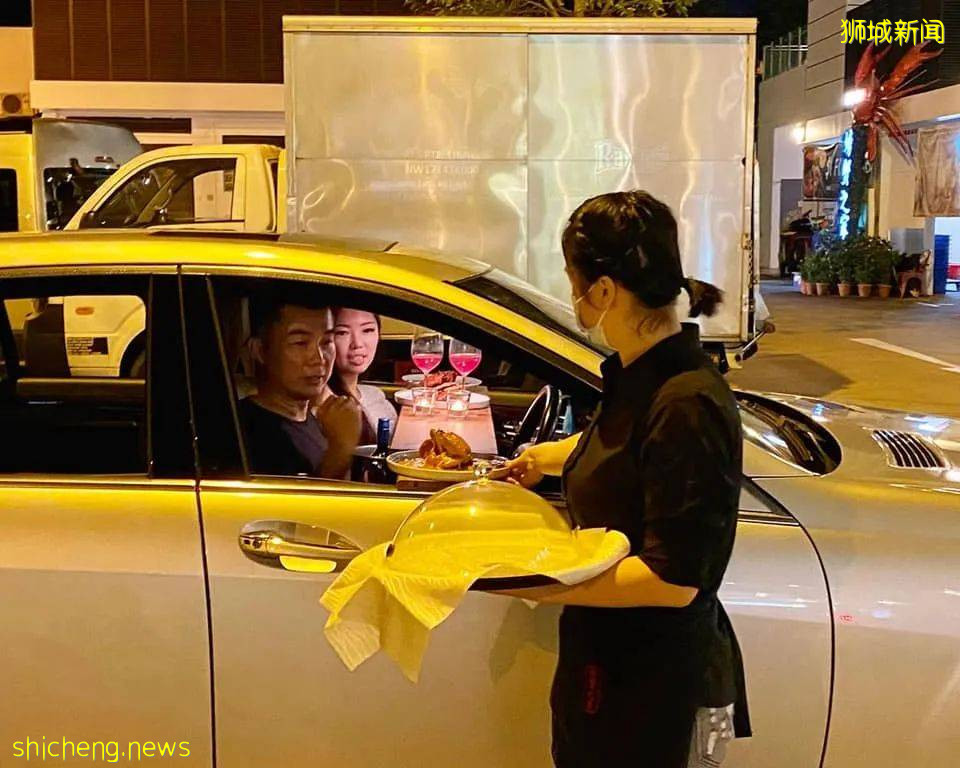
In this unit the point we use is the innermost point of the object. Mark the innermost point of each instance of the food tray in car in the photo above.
(410, 464)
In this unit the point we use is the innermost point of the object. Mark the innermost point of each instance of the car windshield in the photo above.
(784, 432)
(67, 189)
(519, 296)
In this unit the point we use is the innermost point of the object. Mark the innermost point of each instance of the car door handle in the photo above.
(271, 540)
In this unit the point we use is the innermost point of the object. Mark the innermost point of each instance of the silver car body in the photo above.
(131, 612)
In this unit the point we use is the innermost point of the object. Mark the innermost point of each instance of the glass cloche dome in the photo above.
(481, 505)
(479, 524)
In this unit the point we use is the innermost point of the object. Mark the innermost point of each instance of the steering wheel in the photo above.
(540, 421)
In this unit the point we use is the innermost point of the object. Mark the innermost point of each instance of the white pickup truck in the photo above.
(228, 187)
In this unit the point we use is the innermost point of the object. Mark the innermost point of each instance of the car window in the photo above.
(368, 341)
(66, 190)
(519, 296)
(72, 393)
(9, 210)
(188, 191)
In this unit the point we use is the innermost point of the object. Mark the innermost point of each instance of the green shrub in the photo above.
(865, 270)
(819, 267)
(864, 259)
(843, 262)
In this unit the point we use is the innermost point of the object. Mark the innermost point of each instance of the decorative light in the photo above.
(853, 97)
(799, 133)
(843, 199)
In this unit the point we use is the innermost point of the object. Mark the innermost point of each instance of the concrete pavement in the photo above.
(881, 352)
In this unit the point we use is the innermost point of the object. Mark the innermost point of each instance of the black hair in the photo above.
(631, 237)
(267, 305)
(336, 383)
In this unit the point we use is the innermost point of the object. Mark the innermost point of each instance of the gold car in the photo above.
(139, 613)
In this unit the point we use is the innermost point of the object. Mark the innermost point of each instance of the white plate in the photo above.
(403, 463)
(477, 400)
(414, 380)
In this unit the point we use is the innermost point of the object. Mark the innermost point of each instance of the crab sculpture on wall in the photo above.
(874, 110)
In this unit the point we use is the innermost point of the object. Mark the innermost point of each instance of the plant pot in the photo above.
(864, 290)
(804, 287)
(883, 291)
(823, 289)
(844, 289)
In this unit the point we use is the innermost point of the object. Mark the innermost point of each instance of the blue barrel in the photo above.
(941, 259)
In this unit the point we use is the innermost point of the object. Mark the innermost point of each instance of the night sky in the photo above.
(775, 17)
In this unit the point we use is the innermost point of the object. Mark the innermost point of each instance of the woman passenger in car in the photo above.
(356, 335)
(649, 672)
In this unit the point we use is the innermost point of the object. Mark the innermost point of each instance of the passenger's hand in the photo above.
(525, 470)
(341, 421)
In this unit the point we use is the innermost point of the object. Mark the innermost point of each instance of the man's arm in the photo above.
(341, 421)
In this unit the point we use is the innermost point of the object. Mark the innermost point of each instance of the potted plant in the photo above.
(885, 257)
(821, 273)
(863, 273)
(843, 261)
(805, 287)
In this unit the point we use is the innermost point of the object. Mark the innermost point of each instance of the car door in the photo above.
(282, 695)
(104, 636)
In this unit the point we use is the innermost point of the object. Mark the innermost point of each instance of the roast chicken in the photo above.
(446, 450)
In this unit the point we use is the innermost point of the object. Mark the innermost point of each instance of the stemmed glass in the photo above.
(464, 358)
(426, 350)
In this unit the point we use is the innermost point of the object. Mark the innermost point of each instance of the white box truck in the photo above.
(479, 136)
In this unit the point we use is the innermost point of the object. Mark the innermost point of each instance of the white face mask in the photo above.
(594, 333)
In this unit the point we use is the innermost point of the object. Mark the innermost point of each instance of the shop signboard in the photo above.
(821, 167)
(937, 191)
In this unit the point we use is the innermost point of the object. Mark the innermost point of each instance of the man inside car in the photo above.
(293, 349)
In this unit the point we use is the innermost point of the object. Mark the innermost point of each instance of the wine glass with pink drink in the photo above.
(464, 358)
(426, 350)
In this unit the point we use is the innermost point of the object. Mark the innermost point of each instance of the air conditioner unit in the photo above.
(15, 104)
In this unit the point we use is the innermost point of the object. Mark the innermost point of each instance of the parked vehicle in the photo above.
(48, 168)
(131, 612)
(480, 138)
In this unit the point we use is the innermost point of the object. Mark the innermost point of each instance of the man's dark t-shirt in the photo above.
(277, 445)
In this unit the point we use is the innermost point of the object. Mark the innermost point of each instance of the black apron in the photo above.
(661, 462)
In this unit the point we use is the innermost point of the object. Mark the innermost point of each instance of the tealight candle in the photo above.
(423, 400)
(458, 403)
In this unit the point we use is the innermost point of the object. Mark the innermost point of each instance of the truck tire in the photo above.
(134, 362)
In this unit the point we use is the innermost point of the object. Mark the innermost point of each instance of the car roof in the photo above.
(355, 257)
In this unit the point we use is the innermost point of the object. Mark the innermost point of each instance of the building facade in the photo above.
(804, 107)
(176, 71)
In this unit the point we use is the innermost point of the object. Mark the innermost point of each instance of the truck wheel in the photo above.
(134, 363)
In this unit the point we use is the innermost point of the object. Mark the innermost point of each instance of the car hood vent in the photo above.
(907, 450)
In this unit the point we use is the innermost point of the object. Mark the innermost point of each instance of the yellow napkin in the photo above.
(394, 602)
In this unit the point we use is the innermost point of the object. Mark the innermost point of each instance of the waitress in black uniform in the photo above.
(649, 672)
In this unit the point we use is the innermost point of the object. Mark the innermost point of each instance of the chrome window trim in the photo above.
(298, 486)
(102, 482)
(87, 270)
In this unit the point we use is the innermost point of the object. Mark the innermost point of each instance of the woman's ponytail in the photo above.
(704, 297)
